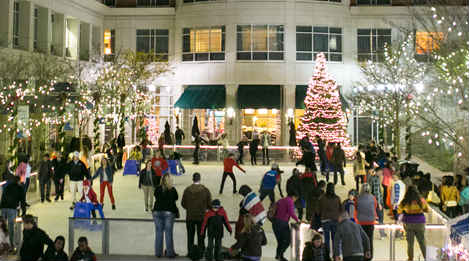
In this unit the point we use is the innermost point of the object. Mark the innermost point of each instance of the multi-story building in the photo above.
(239, 65)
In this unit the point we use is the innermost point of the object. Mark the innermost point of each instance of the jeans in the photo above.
(180, 166)
(44, 186)
(26, 187)
(380, 214)
(193, 228)
(267, 192)
(265, 156)
(164, 222)
(369, 231)
(148, 196)
(102, 188)
(9, 214)
(329, 228)
(253, 158)
(59, 189)
(418, 231)
(76, 186)
(214, 248)
(241, 155)
(282, 234)
(339, 169)
(232, 177)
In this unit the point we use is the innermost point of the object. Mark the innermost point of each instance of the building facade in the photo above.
(240, 66)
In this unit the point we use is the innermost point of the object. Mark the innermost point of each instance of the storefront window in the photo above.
(211, 122)
(260, 120)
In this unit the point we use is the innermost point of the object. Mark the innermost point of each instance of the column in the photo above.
(44, 30)
(232, 124)
(85, 41)
(26, 26)
(288, 104)
(6, 23)
(58, 34)
(96, 41)
(72, 37)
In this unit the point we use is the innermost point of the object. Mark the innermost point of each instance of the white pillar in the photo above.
(26, 26)
(232, 125)
(6, 23)
(72, 38)
(59, 34)
(96, 41)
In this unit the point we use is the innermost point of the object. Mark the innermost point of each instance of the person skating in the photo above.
(34, 240)
(164, 213)
(179, 135)
(106, 177)
(214, 220)
(252, 205)
(196, 200)
(359, 171)
(243, 142)
(57, 252)
(339, 162)
(78, 172)
(45, 176)
(253, 148)
(12, 197)
(309, 155)
(365, 214)
(83, 252)
(198, 140)
(268, 183)
(351, 242)
(321, 154)
(349, 204)
(60, 170)
(329, 210)
(315, 250)
(228, 164)
(265, 142)
(147, 181)
(89, 196)
(375, 179)
(295, 185)
(250, 240)
(159, 165)
(285, 209)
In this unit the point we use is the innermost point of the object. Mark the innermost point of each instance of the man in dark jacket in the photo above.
(57, 252)
(83, 251)
(45, 175)
(350, 240)
(339, 162)
(60, 169)
(78, 172)
(179, 135)
(196, 201)
(34, 240)
(294, 185)
(214, 220)
(13, 196)
(321, 154)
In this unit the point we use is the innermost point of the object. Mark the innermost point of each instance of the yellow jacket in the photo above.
(413, 208)
(449, 193)
(136, 155)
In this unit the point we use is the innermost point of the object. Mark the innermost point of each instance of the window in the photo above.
(203, 44)
(152, 3)
(427, 42)
(16, 23)
(260, 42)
(109, 44)
(374, 2)
(36, 26)
(371, 43)
(312, 40)
(153, 41)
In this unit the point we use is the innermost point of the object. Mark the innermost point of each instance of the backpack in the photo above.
(272, 211)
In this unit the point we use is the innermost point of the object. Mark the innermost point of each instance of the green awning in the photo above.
(259, 96)
(300, 95)
(202, 97)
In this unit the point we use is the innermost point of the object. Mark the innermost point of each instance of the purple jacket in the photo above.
(286, 209)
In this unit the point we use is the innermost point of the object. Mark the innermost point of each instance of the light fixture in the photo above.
(230, 113)
(289, 114)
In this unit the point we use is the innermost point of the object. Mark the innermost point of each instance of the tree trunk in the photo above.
(397, 135)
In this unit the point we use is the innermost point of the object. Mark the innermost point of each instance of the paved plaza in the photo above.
(130, 237)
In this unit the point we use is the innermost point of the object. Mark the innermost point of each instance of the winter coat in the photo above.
(33, 244)
(78, 255)
(78, 171)
(312, 202)
(91, 195)
(449, 193)
(329, 207)
(359, 166)
(295, 185)
(365, 213)
(53, 255)
(61, 167)
(311, 253)
(464, 196)
(350, 240)
(13, 196)
(214, 222)
(251, 243)
(196, 201)
(252, 204)
(165, 200)
(147, 178)
(45, 170)
(338, 158)
(253, 145)
(179, 134)
(108, 171)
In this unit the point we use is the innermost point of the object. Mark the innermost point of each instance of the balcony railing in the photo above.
(406, 2)
(138, 3)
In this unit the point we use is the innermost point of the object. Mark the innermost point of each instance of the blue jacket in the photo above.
(270, 180)
(100, 173)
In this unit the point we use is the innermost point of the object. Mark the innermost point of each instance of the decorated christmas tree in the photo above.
(323, 114)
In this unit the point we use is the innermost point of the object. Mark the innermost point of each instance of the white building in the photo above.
(243, 63)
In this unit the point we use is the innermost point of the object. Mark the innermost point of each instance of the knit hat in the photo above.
(86, 183)
(216, 203)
